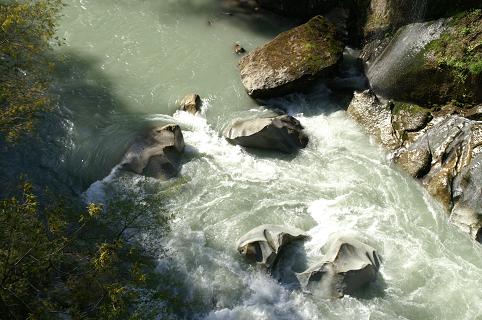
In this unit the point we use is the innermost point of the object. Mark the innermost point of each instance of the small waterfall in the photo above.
(409, 41)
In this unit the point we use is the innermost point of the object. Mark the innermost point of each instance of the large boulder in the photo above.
(347, 266)
(432, 62)
(155, 153)
(383, 17)
(292, 60)
(263, 244)
(282, 133)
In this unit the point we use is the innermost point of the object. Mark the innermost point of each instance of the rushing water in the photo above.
(126, 63)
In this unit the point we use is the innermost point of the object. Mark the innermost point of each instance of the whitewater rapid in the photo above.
(127, 63)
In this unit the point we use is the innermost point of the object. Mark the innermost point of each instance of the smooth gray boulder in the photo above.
(347, 266)
(155, 153)
(263, 244)
(282, 133)
(292, 60)
(191, 103)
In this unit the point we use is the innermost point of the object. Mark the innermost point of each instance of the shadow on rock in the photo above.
(292, 260)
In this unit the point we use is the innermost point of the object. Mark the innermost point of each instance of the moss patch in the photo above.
(413, 109)
(305, 49)
(459, 49)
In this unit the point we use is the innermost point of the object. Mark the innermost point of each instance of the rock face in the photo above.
(156, 153)
(263, 244)
(374, 116)
(292, 60)
(347, 266)
(191, 103)
(443, 149)
(384, 17)
(428, 63)
(282, 133)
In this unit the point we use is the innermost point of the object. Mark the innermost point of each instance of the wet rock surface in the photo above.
(156, 153)
(263, 244)
(347, 266)
(191, 103)
(442, 149)
(281, 133)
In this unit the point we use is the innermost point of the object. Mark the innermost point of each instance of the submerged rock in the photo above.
(292, 60)
(191, 103)
(347, 266)
(384, 17)
(282, 133)
(156, 153)
(263, 244)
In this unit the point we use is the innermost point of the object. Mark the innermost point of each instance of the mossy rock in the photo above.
(292, 60)
(409, 117)
(432, 63)
(388, 15)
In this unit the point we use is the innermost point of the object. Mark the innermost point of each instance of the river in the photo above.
(126, 64)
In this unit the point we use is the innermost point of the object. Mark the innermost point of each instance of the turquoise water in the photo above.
(124, 67)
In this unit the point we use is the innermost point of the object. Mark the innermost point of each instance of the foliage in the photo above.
(53, 266)
(26, 29)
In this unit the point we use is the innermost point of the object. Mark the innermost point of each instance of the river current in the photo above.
(127, 63)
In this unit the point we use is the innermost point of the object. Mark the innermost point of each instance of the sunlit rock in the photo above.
(415, 161)
(292, 60)
(374, 117)
(263, 244)
(191, 103)
(156, 153)
(347, 266)
(443, 149)
(282, 133)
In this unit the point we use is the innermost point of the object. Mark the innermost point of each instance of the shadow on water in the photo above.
(100, 126)
(81, 139)
(244, 14)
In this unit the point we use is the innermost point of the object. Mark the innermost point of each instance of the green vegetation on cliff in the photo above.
(57, 259)
(460, 48)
